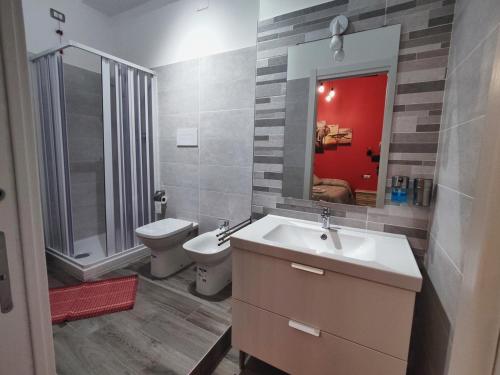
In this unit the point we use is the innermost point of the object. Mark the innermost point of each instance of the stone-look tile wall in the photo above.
(83, 92)
(425, 40)
(473, 45)
(214, 94)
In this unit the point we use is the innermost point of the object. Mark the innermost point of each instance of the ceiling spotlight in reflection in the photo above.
(330, 95)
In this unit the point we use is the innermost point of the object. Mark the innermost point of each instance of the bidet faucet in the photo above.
(223, 224)
(325, 218)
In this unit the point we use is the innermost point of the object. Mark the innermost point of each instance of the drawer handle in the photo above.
(301, 267)
(303, 328)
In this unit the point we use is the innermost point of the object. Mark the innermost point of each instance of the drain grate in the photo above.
(82, 255)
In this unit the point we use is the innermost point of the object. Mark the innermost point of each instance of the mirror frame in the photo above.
(389, 66)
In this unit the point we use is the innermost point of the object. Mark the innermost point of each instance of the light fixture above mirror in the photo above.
(338, 26)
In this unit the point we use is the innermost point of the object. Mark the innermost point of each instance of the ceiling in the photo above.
(114, 7)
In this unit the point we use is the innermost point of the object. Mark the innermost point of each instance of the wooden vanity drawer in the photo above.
(365, 312)
(270, 337)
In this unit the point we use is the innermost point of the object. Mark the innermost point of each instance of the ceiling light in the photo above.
(321, 88)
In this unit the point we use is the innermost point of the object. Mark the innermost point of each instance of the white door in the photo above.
(25, 333)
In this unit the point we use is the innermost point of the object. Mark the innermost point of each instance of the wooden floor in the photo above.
(168, 331)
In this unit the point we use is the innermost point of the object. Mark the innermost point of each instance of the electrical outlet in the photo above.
(59, 16)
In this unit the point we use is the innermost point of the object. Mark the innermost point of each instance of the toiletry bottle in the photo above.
(399, 189)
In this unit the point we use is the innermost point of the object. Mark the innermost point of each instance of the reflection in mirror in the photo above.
(338, 118)
(348, 137)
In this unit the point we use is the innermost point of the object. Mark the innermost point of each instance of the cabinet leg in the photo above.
(243, 357)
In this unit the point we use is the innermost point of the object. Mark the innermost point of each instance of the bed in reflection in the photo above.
(332, 190)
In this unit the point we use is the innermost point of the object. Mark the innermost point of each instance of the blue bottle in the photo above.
(399, 189)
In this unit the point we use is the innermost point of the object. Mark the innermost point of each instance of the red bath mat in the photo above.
(92, 299)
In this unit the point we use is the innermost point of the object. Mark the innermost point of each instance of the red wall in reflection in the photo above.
(358, 104)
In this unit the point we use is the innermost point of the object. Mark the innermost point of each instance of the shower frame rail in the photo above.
(95, 52)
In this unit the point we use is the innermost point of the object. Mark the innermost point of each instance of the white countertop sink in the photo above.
(377, 256)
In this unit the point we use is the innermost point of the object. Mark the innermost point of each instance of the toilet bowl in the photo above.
(213, 262)
(165, 238)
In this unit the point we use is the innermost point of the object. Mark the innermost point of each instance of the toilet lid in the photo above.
(163, 228)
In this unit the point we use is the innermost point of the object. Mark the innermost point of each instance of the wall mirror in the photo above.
(338, 118)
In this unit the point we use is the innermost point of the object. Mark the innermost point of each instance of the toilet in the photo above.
(213, 271)
(165, 238)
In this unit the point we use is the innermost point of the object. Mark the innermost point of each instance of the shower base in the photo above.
(90, 250)
(90, 260)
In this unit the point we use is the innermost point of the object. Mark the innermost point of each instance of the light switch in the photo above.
(187, 137)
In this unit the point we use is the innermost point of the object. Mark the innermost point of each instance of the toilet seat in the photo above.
(164, 228)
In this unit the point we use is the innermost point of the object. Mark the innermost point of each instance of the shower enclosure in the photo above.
(96, 119)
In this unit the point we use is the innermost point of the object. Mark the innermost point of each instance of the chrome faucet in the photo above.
(325, 218)
(333, 231)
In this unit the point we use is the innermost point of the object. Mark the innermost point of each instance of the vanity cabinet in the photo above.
(308, 320)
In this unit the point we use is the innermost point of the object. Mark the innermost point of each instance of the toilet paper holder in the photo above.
(160, 196)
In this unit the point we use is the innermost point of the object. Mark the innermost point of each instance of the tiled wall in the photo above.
(214, 94)
(475, 33)
(466, 98)
(83, 93)
(425, 40)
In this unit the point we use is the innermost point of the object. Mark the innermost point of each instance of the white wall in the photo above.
(151, 35)
(273, 8)
(83, 24)
(156, 34)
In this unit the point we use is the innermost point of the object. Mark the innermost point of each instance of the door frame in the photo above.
(385, 66)
(24, 153)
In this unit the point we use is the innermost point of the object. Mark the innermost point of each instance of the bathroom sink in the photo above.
(324, 242)
(382, 257)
